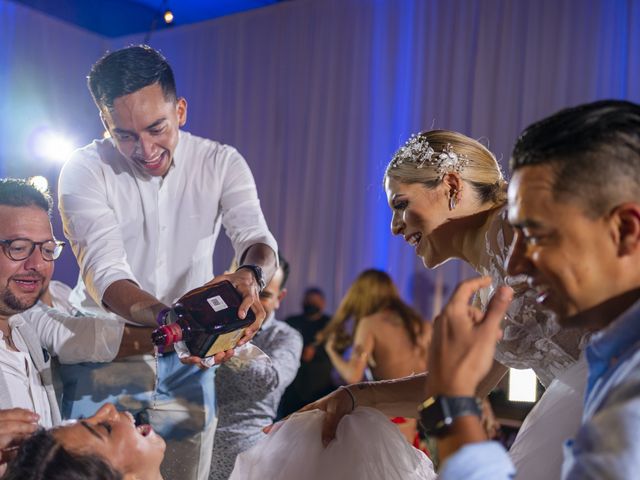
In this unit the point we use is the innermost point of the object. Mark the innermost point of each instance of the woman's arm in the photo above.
(352, 370)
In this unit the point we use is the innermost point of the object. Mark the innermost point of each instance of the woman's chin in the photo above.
(429, 260)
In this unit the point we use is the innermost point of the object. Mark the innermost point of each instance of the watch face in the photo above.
(432, 416)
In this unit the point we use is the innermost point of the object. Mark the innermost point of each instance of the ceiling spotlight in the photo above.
(168, 16)
(39, 182)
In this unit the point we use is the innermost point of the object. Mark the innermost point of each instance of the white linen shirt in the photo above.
(71, 339)
(158, 232)
(24, 385)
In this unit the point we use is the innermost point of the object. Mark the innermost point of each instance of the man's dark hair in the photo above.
(16, 192)
(41, 457)
(128, 70)
(284, 266)
(314, 291)
(593, 150)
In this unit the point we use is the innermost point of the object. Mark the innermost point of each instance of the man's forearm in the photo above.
(131, 302)
(262, 255)
(135, 341)
(394, 398)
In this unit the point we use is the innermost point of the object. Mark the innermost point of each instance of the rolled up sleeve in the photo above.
(75, 339)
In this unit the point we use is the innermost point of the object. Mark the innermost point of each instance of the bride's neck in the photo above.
(466, 235)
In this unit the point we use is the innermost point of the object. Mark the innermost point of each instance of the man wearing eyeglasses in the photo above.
(30, 332)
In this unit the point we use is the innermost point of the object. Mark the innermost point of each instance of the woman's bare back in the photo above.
(394, 355)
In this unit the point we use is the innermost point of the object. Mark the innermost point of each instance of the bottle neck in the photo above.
(168, 335)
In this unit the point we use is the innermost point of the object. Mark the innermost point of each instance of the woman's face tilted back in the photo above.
(136, 452)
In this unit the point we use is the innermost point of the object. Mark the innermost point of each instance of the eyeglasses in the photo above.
(22, 248)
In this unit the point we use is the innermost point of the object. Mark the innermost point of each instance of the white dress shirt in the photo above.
(158, 232)
(71, 339)
(24, 385)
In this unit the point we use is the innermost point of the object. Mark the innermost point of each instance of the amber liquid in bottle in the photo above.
(204, 320)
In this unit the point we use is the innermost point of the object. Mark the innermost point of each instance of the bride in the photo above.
(448, 198)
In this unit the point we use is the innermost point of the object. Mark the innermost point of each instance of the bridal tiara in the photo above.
(417, 151)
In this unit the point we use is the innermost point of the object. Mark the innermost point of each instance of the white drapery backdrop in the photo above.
(318, 94)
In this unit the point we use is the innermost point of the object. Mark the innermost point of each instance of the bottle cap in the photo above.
(167, 335)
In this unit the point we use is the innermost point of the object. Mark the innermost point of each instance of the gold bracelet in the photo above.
(353, 398)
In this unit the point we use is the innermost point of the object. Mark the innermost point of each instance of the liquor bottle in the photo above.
(203, 321)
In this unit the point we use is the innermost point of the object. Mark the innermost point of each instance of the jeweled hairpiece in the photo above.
(417, 151)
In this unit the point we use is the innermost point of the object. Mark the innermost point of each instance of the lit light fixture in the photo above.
(39, 182)
(522, 385)
(106, 134)
(51, 145)
(168, 17)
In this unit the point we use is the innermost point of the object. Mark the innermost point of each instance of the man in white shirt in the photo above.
(142, 211)
(30, 332)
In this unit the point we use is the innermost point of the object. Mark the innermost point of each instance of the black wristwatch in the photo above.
(438, 413)
(257, 273)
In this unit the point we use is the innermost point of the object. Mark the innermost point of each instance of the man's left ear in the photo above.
(181, 105)
(628, 228)
(282, 294)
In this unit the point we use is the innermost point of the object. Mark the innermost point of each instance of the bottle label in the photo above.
(217, 303)
(226, 341)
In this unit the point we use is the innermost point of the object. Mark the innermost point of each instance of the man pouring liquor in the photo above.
(142, 211)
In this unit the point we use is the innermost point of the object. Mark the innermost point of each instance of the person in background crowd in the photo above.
(313, 380)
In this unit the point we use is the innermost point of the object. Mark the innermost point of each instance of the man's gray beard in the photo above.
(11, 305)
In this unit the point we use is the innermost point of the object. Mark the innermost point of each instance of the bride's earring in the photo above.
(452, 199)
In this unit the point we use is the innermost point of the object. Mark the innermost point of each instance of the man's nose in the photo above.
(35, 261)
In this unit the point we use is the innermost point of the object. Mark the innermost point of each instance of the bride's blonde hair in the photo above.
(480, 169)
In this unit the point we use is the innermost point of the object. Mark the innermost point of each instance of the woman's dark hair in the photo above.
(128, 70)
(41, 457)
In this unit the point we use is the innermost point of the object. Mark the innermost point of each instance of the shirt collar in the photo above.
(610, 344)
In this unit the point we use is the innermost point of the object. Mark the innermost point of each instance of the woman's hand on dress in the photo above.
(336, 405)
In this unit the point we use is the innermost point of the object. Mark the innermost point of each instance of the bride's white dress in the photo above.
(367, 447)
(532, 338)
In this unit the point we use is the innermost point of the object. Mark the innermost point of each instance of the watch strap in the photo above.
(257, 273)
(438, 413)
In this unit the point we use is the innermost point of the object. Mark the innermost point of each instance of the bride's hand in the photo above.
(336, 405)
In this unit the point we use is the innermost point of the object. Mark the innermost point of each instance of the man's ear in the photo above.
(181, 106)
(282, 294)
(627, 217)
